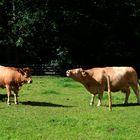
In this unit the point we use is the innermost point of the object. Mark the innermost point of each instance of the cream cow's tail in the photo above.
(109, 92)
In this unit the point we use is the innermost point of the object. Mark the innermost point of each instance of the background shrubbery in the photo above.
(76, 32)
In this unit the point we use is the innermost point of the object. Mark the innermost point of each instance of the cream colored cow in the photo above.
(98, 80)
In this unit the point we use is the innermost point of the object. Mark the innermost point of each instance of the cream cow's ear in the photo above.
(79, 70)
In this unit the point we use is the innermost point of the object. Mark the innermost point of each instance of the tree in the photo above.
(75, 32)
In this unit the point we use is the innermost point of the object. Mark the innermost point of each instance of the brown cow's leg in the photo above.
(8, 94)
(16, 95)
(92, 99)
(16, 98)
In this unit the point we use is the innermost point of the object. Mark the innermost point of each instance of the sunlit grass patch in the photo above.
(48, 92)
(55, 107)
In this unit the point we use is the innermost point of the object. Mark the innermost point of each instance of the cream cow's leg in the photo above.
(92, 99)
(127, 93)
(137, 92)
(100, 96)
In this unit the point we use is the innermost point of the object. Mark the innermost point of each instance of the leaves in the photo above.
(63, 28)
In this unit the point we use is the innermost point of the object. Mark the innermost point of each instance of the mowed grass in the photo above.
(57, 108)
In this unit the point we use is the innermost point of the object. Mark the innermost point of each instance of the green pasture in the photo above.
(57, 108)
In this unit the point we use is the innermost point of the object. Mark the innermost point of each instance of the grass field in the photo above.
(57, 108)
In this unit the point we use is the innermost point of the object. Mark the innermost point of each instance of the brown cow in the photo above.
(95, 81)
(12, 79)
(120, 78)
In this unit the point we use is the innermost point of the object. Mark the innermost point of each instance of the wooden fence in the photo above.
(44, 69)
(40, 69)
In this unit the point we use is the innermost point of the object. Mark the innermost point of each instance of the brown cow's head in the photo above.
(26, 74)
(28, 70)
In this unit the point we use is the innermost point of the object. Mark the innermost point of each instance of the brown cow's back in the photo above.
(7, 76)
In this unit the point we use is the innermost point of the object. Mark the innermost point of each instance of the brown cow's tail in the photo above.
(109, 92)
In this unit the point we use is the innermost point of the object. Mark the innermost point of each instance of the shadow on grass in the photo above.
(125, 105)
(34, 103)
(3, 97)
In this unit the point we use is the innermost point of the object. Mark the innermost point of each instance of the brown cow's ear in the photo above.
(27, 70)
(20, 70)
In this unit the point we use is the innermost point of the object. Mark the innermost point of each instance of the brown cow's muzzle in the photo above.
(30, 81)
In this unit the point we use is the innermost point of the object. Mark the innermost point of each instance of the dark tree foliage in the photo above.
(97, 32)
(70, 32)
